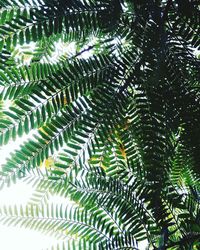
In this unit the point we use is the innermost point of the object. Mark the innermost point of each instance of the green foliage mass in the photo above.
(116, 122)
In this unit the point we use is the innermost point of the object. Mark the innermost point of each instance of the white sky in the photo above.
(14, 237)
(23, 239)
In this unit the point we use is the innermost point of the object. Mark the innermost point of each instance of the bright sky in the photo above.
(15, 237)
(23, 239)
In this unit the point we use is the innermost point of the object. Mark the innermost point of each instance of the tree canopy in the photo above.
(113, 118)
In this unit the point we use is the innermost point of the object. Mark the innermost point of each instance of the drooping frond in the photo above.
(114, 119)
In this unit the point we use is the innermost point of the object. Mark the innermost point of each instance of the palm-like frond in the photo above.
(119, 117)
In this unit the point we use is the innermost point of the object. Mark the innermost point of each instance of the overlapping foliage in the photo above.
(116, 123)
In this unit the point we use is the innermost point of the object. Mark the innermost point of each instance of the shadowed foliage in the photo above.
(114, 120)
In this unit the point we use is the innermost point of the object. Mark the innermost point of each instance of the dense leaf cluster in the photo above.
(115, 124)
